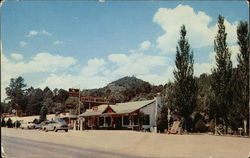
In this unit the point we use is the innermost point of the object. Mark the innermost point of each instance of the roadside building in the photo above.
(139, 115)
(25, 119)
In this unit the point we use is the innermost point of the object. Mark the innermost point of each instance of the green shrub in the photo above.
(200, 126)
(17, 124)
(3, 123)
(211, 126)
(9, 123)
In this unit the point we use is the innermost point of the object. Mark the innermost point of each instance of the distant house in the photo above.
(130, 115)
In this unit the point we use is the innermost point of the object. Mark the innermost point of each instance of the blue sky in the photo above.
(89, 44)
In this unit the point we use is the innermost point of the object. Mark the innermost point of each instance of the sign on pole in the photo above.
(13, 111)
(74, 92)
(175, 127)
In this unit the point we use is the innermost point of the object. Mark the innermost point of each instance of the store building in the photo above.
(139, 115)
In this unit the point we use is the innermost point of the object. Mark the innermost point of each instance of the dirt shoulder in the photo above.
(143, 144)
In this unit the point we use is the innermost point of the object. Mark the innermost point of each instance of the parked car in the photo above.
(56, 125)
(37, 126)
(28, 125)
(43, 124)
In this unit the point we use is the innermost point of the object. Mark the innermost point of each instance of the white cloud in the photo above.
(68, 81)
(161, 78)
(94, 67)
(22, 43)
(58, 42)
(35, 32)
(98, 72)
(44, 32)
(200, 68)
(234, 49)
(32, 33)
(95, 74)
(199, 31)
(136, 63)
(145, 45)
(17, 56)
(41, 62)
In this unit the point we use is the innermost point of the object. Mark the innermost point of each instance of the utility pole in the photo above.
(16, 120)
(79, 110)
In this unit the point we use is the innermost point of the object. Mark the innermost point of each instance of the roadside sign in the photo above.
(175, 126)
(13, 111)
(95, 108)
(70, 105)
(74, 92)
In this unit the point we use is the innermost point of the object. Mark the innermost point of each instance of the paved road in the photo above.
(19, 143)
(24, 148)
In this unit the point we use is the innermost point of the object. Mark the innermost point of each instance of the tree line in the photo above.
(34, 101)
(221, 98)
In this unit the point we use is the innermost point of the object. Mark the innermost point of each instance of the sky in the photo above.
(83, 44)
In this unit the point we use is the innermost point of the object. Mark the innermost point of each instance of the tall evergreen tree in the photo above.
(16, 93)
(243, 68)
(185, 84)
(221, 76)
(43, 113)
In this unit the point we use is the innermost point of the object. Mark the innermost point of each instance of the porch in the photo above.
(132, 121)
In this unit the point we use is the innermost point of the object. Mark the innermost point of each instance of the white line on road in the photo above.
(4, 155)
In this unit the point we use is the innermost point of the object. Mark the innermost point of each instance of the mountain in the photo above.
(126, 89)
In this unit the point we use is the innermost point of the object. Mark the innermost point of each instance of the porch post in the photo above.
(122, 120)
(105, 121)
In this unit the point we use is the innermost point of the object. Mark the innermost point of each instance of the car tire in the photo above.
(66, 130)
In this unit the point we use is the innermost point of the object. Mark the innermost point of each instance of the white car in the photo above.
(56, 125)
(28, 125)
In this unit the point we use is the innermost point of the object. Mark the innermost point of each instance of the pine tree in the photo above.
(185, 84)
(43, 113)
(221, 75)
(243, 69)
(16, 93)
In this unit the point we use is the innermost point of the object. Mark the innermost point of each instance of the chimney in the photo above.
(158, 105)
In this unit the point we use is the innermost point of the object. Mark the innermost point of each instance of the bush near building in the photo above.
(17, 124)
(200, 126)
(3, 123)
(9, 123)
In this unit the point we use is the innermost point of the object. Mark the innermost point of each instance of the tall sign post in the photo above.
(79, 111)
(76, 93)
(14, 111)
(169, 117)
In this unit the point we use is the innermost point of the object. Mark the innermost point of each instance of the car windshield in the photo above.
(61, 121)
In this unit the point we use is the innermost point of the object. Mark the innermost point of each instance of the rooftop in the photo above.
(119, 108)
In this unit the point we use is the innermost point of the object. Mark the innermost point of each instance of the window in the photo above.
(101, 121)
(135, 119)
(108, 121)
(125, 120)
(145, 120)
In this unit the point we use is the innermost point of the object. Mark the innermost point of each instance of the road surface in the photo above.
(18, 143)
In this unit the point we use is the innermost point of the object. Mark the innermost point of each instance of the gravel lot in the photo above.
(140, 144)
